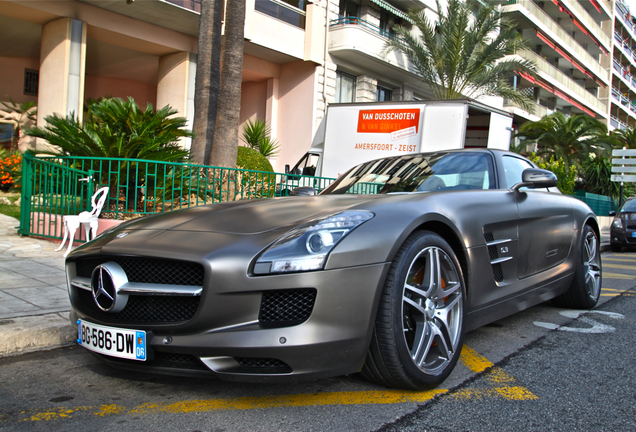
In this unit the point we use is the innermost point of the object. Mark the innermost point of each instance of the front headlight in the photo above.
(618, 223)
(305, 248)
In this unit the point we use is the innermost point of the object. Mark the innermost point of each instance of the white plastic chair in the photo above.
(86, 218)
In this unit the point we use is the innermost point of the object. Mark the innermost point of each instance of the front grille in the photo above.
(285, 308)
(147, 270)
(263, 365)
(153, 309)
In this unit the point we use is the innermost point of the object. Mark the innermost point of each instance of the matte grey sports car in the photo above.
(382, 273)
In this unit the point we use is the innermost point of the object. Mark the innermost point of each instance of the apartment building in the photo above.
(622, 97)
(300, 55)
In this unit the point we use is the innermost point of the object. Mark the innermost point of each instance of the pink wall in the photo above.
(295, 119)
(253, 101)
(12, 82)
(96, 87)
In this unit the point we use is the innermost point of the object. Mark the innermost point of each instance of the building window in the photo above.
(289, 11)
(384, 94)
(345, 87)
(349, 8)
(6, 135)
(31, 78)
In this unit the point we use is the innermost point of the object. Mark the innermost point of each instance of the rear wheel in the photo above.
(419, 327)
(586, 286)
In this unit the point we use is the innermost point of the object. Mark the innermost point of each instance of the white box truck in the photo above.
(353, 133)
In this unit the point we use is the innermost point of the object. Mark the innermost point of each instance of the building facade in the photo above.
(300, 56)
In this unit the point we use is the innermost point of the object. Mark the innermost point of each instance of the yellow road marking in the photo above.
(607, 275)
(503, 385)
(611, 258)
(502, 382)
(473, 360)
(620, 266)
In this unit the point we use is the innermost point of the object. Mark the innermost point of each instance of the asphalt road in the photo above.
(543, 369)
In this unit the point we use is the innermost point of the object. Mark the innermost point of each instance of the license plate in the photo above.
(112, 341)
(634, 234)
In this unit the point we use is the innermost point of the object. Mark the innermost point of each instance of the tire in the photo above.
(419, 328)
(586, 286)
(616, 248)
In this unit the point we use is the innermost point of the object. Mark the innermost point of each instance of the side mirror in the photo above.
(536, 178)
(611, 213)
(303, 191)
(286, 168)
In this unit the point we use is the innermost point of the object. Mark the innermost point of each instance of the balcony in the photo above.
(274, 31)
(355, 40)
(532, 18)
(562, 83)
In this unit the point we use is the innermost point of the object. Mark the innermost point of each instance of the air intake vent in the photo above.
(263, 365)
(283, 308)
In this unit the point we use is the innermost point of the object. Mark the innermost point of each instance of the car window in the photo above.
(629, 206)
(307, 165)
(514, 167)
(419, 173)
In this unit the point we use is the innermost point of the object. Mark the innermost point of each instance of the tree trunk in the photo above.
(225, 144)
(208, 77)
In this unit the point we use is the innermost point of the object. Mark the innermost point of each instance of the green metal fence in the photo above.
(55, 186)
(50, 190)
(601, 205)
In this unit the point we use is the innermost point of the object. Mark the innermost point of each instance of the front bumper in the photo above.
(626, 238)
(228, 337)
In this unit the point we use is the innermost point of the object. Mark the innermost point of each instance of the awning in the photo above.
(392, 9)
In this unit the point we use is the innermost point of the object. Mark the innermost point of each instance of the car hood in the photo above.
(250, 217)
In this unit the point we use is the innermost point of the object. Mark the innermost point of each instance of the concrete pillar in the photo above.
(271, 106)
(366, 89)
(62, 66)
(175, 86)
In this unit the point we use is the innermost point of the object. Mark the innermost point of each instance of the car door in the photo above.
(546, 223)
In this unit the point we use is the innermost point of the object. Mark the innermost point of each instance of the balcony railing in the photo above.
(194, 5)
(282, 11)
(362, 23)
(546, 24)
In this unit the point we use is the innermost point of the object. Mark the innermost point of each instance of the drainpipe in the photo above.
(326, 53)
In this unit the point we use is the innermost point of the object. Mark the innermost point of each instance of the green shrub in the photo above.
(566, 175)
(251, 159)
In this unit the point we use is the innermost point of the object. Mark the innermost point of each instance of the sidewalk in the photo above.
(34, 303)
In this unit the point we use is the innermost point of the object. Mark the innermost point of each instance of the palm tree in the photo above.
(624, 138)
(567, 138)
(226, 133)
(21, 115)
(257, 135)
(208, 79)
(114, 128)
(464, 52)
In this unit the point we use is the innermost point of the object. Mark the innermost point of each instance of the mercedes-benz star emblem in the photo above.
(107, 281)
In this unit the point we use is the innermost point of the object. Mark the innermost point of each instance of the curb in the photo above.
(35, 333)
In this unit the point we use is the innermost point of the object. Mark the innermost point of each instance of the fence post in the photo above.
(91, 190)
(26, 193)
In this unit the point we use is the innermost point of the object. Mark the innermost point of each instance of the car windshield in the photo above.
(629, 206)
(418, 173)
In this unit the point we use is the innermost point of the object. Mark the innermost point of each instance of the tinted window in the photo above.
(629, 206)
(418, 173)
(513, 168)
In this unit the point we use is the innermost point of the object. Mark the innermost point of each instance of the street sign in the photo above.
(624, 165)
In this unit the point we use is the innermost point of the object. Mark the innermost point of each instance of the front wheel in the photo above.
(586, 286)
(419, 327)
